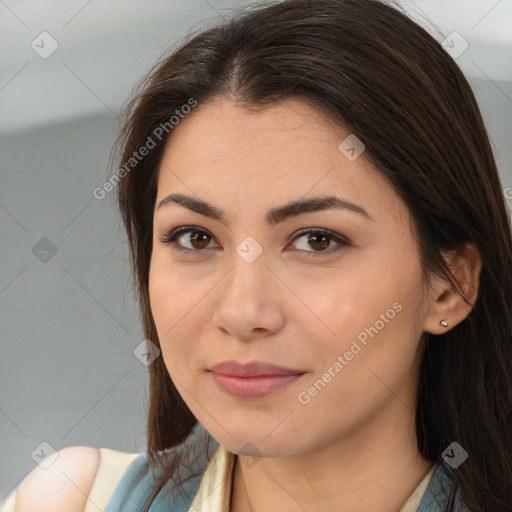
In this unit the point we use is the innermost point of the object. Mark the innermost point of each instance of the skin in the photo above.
(352, 447)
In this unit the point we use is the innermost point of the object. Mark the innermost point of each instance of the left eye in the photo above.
(319, 240)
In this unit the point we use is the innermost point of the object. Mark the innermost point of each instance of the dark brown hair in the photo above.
(369, 67)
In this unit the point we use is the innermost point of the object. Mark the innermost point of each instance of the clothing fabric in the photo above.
(209, 489)
(124, 482)
(212, 491)
(112, 467)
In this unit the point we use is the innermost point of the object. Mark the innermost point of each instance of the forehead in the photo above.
(266, 157)
(223, 127)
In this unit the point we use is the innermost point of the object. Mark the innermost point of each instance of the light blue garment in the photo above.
(137, 483)
(134, 490)
(442, 495)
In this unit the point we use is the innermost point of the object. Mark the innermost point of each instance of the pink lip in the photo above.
(252, 369)
(252, 380)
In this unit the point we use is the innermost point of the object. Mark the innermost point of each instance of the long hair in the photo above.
(366, 65)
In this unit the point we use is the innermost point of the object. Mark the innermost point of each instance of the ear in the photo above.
(445, 302)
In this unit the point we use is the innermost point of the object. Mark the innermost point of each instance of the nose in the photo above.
(250, 300)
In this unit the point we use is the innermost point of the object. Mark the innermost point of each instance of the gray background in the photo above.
(69, 322)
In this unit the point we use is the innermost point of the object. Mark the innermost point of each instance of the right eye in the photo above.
(199, 240)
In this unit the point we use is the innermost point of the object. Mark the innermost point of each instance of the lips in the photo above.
(253, 380)
(253, 369)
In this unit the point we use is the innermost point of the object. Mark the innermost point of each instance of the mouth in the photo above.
(253, 380)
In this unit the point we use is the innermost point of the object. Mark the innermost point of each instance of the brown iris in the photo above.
(196, 238)
(324, 244)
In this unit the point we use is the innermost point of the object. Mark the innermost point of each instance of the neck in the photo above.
(376, 467)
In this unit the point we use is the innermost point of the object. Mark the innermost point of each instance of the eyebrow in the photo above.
(273, 216)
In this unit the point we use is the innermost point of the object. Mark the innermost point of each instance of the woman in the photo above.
(323, 257)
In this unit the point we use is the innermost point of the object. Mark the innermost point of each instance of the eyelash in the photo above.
(171, 239)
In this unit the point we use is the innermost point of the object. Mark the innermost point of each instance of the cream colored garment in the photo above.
(413, 502)
(113, 465)
(214, 492)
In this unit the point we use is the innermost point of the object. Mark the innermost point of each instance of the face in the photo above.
(332, 296)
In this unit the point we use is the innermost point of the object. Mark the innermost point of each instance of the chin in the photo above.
(255, 441)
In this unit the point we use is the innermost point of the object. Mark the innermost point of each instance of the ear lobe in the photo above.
(445, 301)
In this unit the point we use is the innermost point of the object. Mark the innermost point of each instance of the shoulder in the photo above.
(62, 482)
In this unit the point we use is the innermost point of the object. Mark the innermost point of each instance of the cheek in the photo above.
(370, 318)
(173, 304)
(351, 299)
(355, 379)
(174, 292)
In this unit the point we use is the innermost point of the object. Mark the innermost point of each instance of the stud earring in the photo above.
(444, 323)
